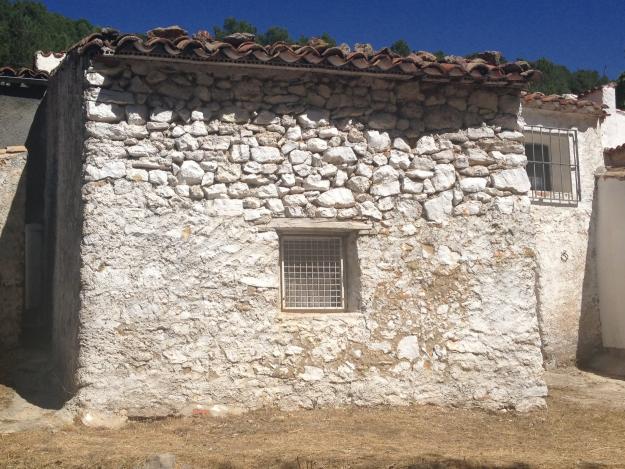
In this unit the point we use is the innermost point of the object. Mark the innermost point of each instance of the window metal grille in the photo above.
(312, 273)
(552, 165)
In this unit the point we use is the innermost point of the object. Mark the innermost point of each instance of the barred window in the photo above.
(552, 165)
(313, 273)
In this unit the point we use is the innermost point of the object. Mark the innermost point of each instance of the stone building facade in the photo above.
(192, 176)
(229, 224)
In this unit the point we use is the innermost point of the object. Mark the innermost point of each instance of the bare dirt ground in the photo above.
(584, 427)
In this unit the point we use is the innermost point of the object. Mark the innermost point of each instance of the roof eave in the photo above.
(324, 69)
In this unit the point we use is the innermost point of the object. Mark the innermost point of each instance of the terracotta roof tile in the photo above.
(10, 72)
(564, 103)
(175, 43)
(596, 88)
(615, 156)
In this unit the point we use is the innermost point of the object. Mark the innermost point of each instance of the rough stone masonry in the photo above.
(186, 166)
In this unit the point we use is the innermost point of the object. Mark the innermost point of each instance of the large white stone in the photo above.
(510, 160)
(377, 141)
(313, 118)
(266, 155)
(144, 149)
(438, 209)
(399, 159)
(316, 145)
(340, 155)
(477, 156)
(408, 347)
(426, 145)
(401, 145)
(216, 142)
(386, 189)
(275, 205)
(358, 184)
(514, 180)
(240, 153)
(104, 112)
(162, 115)
(384, 174)
(158, 177)
(294, 133)
(187, 142)
(444, 177)
(314, 182)
(338, 198)
(411, 187)
(300, 157)
(267, 192)
(471, 185)
(191, 173)
(228, 173)
(369, 209)
(110, 169)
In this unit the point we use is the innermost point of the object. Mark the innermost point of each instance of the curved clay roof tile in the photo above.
(434, 69)
(261, 54)
(288, 56)
(174, 42)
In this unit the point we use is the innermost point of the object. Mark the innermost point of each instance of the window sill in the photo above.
(286, 315)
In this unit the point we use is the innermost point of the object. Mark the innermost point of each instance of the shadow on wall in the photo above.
(24, 352)
(589, 342)
(12, 253)
(29, 364)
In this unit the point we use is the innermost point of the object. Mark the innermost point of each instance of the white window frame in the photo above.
(343, 276)
(562, 166)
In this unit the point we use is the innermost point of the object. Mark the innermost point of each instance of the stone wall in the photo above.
(567, 288)
(12, 202)
(185, 168)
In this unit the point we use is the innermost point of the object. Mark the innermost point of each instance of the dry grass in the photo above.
(568, 434)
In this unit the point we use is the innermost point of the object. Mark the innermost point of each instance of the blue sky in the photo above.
(576, 33)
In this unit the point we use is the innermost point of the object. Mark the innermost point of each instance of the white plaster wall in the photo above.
(47, 62)
(567, 288)
(613, 129)
(611, 259)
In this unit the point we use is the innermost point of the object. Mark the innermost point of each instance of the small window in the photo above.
(539, 166)
(552, 165)
(313, 273)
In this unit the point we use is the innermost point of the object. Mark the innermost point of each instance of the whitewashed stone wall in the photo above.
(185, 168)
(565, 245)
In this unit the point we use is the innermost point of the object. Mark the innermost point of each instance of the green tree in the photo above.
(556, 78)
(232, 25)
(275, 34)
(401, 47)
(28, 26)
(620, 91)
(582, 80)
